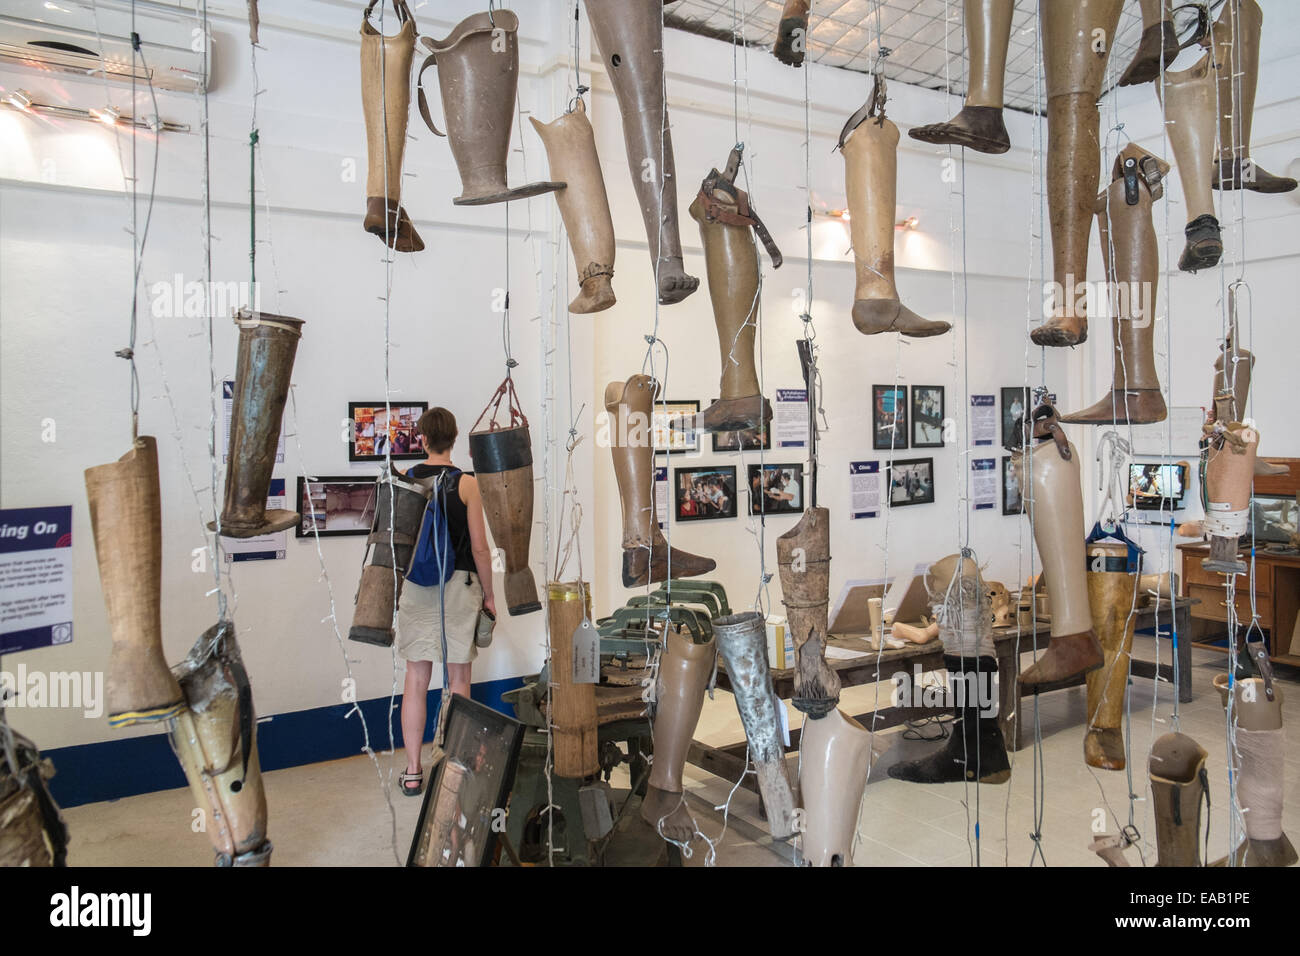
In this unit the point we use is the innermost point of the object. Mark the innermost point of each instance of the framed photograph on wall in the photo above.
(705, 493)
(338, 506)
(468, 787)
(670, 439)
(750, 439)
(375, 427)
(1013, 503)
(911, 482)
(889, 416)
(777, 490)
(927, 416)
(1015, 404)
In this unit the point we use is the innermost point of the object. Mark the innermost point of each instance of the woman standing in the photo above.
(420, 621)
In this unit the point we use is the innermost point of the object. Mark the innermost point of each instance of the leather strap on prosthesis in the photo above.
(1044, 423)
(873, 108)
(736, 210)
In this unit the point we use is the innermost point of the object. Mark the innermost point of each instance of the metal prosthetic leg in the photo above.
(1189, 97)
(126, 520)
(1179, 785)
(400, 504)
(630, 36)
(216, 743)
(1132, 260)
(1077, 38)
(478, 75)
(742, 642)
(979, 125)
(571, 149)
(834, 758)
(1111, 597)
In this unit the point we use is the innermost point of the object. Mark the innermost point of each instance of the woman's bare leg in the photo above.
(458, 675)
(415, 696)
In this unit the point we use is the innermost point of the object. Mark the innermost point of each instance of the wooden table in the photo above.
(729, 761)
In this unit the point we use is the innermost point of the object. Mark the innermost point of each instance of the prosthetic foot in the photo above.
(803, 558)
(400, 504)
(1056, 513)
(571, 149)
(646, 556)
(1258, 762)
(267, 345)
(126, 520)
(684, 671)
(1232, 373)
(792, 33)
(216, 743)
(834, 757)
(742, 642)
(1237, 66)
(1229, 476)
(727, 227)
(503, 465)
(869, 144)
(1178, 786)
(1159, 43)
(1132, 259)
(386, 100)
(979, 125)
(1189, 111)
(1111, 596)
(630, 36)
(478, 74)
(1077, 39)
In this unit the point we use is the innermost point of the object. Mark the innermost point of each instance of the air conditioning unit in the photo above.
(94, 40)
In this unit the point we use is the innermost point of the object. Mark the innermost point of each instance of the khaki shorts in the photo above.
(419, 629)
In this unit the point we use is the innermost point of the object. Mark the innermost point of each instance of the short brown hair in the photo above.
(438, 426)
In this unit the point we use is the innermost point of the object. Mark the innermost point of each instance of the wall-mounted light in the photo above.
(22, 101)
(908, 223)
(108, 115)
(19, 100)
(841, 214)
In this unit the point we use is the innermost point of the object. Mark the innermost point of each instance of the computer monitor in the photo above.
(1155, 486)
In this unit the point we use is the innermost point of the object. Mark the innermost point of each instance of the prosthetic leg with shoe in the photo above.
(979, 125)
(1077, 38)
(1132, 261)
(630, 37)
(1157, 46)
(1189, 102)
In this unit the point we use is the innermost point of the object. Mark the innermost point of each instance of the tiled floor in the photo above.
(335, 813)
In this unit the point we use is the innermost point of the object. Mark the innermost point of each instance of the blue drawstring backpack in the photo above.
(434, 561)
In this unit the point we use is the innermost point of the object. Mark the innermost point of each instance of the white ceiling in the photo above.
(925, 38)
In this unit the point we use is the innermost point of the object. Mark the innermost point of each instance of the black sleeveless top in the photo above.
(457, 516)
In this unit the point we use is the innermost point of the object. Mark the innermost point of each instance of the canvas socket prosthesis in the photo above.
(126, 520)
(1112, 596)
(386, 101)
(478, 76)
(979, 125)
(571, 150)
(834, 758)
(267, 345)
(400, 504)
(803, 557)
(630, 37)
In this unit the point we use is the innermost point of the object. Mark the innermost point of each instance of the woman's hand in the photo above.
(490, 604)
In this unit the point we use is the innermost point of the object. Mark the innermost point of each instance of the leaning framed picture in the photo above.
(335, 506)
(465, 802)
(775, 489)
(911, 482)
(705, 493)
(667, 438)
(889, 416)
(1015, 405)
(927, 416)
(375, 427)
(750, 439)
(1013, 502)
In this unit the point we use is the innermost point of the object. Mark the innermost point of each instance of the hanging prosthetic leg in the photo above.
(834, 758)
(1077, 38)
(126, 520)
(792, 33)
(1159, 43)
(727, 227)
(1232, 373)
(1258, 761)
(32, 831)
(216, 743)
(1229, 478)
(646, 556)
(1189, 117)
(630, 35)
(478, 75)
(1132, 259)
(869, 144)
(386, 100)
(1178, 786)
(571, 150)
(1237, 67)
(803, 557)
(267, 345)
(975, 749)
(400, 504)
(1056, 513)
(979, 125)
(503, 464)
(573, 705)
(1111, 596)
(684, 671)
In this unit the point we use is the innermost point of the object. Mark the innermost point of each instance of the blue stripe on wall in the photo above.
(89, 773)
